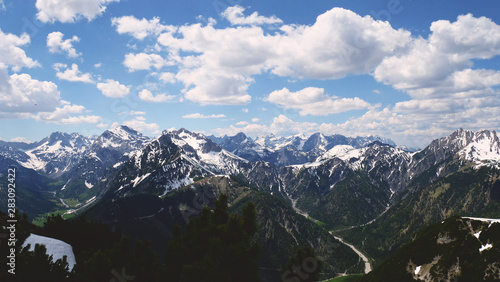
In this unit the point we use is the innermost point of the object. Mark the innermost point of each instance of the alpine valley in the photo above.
(359, 202)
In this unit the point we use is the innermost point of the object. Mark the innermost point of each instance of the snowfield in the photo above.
(56, 248)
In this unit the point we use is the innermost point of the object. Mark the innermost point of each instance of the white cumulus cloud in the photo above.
(167, 77)
(147, 96)
(222, 62)
(56, 44)
(22, 96)
(113, 89)
(64, 115)
(69, 11)
(11, 53)
(438, 60)
(280, 126)
(20, 93)
(143, 61)
(470, 79)
(133, 113)
(212, 88)
(72, 74)
(314, 101)
(235, 16)
(198, 115)
(139, 28)
(217, 66)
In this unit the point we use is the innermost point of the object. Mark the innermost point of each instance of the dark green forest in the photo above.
(216, 245)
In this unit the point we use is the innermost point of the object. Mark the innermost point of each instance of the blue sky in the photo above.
(409, 70)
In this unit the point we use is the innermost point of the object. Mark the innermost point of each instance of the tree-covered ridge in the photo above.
(216, 245)
(457, 249)
(281, 231)
(466, 192)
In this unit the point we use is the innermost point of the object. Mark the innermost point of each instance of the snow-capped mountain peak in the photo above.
(174, 159)
(123, 132)
(197, 142)
(56, 153)
(117, 136)
(343, 152)
(275, 143)
(120, 134)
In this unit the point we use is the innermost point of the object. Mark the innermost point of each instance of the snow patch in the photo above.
(139, 179)
(484, 151)
(342, 152)
(56, 248)
(489, 220)
(33, 162)
(120, 133)
(88, 184)
(417, 270)
(485, 247)
(176, 184)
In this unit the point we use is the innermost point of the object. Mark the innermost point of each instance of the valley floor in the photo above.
(368, 266)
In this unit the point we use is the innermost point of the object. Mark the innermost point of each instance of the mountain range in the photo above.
(366, 190)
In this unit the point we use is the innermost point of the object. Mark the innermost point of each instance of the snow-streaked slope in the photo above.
(173, 160)
(343, 152)
(56, 154)
(275, 143)
(368, 157)
(483, 149)
(202, 150)
(120, 138)
(33, 162)
(107, 152)
(57, 248)
(489, 220)
(292, 150)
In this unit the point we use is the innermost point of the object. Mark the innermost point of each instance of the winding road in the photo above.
(368, 266)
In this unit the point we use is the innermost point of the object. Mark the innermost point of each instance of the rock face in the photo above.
(107, 152)
(171, 161)
(57, 154)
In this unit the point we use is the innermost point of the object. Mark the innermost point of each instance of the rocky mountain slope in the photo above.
(295, 149)
(174, 159)
(33, 192)
(370, 192)
(457, 249)
(52, 156)
(442, 182)
(281, 230)
(106, 153)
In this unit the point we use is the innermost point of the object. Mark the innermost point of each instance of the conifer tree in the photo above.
(216, 246)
